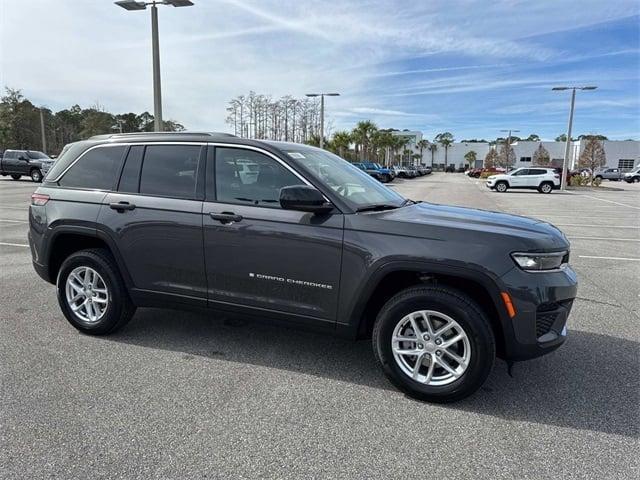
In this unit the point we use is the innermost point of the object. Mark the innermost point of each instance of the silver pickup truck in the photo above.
(614, 174)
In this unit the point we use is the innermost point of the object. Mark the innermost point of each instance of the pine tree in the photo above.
(541, 156)
(593, 155)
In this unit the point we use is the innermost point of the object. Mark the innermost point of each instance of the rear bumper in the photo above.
(542, 303)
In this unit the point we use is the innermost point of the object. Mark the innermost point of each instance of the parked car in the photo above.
(383, 175)
(613, 174)
(633, 176)
(413, 171)
(313, 242)
(474, 172)
(424, 170)
(30, 163)
(545, 180)
(404, 172)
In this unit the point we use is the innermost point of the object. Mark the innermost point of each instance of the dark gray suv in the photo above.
(294, 234)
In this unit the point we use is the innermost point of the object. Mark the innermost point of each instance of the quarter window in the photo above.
(170, 170)
(251, 178)
(96, 169)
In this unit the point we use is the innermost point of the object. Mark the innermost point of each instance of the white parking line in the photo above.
(610, 258)
(581, 225)
(12, 221)
(606, 238)
(26, 207)
(611, 201)
(14, 244)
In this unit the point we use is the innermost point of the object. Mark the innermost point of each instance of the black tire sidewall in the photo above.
(116, 307)
(468, 317)
(37, 172)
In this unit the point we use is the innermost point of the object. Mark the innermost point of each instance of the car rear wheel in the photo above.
(36, 175)
(386, 178)
(501, 187)
(636, 179)
(92, 294)
(545, 187)
(434, 343)
(16, 177)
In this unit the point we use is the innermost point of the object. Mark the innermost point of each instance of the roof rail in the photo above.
(139, 134)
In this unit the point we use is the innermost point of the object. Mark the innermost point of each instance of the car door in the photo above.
(535, 177)
(518, 179)
(260, 256)
(155, 218)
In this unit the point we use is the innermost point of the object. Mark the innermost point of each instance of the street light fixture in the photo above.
(567, 147)
(132, 5)
(322, 95)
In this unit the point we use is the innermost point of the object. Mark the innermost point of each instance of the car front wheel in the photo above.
(36, 175)
(501, 187)
(92, 294)
(434, 343)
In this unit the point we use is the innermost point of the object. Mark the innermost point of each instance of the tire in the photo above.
(545, 187)
(118, 310)
(599, 177)
(636, 179)
(16, 176)
(501, 187)
(386, 178)
(36, 175)
(477, 347)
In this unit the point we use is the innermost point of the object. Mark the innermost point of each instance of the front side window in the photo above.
(250, 178)
(36, 155)
(170, 170)
(520, 172)
(96, 169)
(355, 187)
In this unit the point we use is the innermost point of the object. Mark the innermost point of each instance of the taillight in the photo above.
(39, 199)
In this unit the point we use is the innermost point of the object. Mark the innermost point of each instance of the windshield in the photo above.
(34, 154)
(356, 187)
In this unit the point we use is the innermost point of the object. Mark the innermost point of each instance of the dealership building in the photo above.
(623, 154)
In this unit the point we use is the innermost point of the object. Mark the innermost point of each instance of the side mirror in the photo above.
(305, 199)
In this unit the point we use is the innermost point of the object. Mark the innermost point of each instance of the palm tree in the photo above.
(433, 147)
(340, 142)
(445, 139)
(361, 135)
(422, 145)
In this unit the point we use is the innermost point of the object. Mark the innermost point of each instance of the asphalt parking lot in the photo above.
(182, 395)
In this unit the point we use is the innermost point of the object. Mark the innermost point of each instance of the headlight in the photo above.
(537, 262)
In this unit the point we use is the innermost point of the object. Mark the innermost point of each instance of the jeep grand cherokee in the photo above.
(148, 220)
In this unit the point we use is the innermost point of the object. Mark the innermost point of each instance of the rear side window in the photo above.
(537, 171)
(131, 171)
(170, 170)
(96, 169)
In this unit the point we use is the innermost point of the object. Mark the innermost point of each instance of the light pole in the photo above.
(508, 145)
(141, 5)
(322, 95)
(567, 147)
(44, 137)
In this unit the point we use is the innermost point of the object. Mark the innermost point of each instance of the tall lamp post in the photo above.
(567, 147)
(506, 150)
(141, 5)
(322, 95)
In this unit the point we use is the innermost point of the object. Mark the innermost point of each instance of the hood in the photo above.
(433, 221)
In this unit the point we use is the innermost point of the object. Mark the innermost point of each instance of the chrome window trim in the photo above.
(119, 144)
(268, 154)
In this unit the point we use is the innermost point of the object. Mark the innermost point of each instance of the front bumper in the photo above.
(491, 183)
(542, 302)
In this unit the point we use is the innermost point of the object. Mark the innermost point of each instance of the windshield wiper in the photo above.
(377, 207)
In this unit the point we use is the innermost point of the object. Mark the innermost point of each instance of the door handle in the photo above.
(122, 206)
(226, 217)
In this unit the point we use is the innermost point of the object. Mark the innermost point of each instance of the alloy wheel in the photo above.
(87, 294)
(431, 348)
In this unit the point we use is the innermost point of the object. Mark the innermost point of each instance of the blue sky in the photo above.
(468, 67)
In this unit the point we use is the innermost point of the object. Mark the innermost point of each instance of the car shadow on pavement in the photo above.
(590, 383)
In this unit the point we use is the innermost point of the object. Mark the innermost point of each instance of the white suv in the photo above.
(542, 179)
